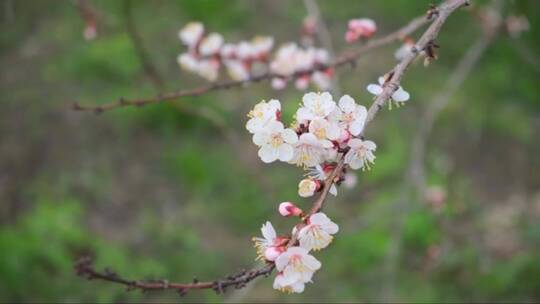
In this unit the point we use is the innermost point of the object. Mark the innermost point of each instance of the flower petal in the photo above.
(400, 95)
(374, 89)
(286, 152)
(268, 154)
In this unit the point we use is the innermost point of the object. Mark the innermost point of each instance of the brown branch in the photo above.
(85, 268)
(347, 58)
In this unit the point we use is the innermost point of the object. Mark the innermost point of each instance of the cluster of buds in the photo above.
(207, 53)
(294, 262)
(357, 29)
(292, 60)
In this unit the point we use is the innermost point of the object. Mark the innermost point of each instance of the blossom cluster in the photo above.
(207, 53)
(294, 263)
(357, 29)
(323, 132)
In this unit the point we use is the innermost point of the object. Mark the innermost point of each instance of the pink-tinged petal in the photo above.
(278, 83)
(268, 153)
(271, 253)
(355, 143)
(309, 139)
(297, 250)
(331, 228)
(374, 89)
(282, 261)
(289, 136)
(333, 132)
(369, 145)
(286, 152)
(356, 127)
(400, 95)
(311, 262)
(361, 112)
(355, 163)
(318, 219)
(290, 276)
(347, 104)
(283, 280)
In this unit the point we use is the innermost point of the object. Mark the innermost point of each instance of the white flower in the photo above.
(276, 142)
(322, 80)
(288, 284)
(211, 44)
(188, 62)
(262, 114)
(315, 105)
(262, 45)
(352, 116)
(317, 234)
(237, 70)
(399, 96)
(208, 69)
(270, 246)
(324, 131)
(191, 33)
(228, 50)
(309, 151)
(295, 265)
(284, 60)
(360, 154)
(307, 187)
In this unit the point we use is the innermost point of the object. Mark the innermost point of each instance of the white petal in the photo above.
(298, 287)
(374, 89)
(286, 152)
(311, 262)
(274, 104)
(355, 143)
(319, 218)
(310, 98)
(260, 138)
(356, 127)
(303, 114)
(400, 95)
(275, 126)
(333, 190)
(347, 104)
(333, 132)
(331, 228)
(289, 136)
(282, 261)
(268, 231)
(268, 154)
(369, 145)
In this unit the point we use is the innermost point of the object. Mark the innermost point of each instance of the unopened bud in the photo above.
(289, 209)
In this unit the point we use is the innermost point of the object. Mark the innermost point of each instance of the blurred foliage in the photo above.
(166, 191)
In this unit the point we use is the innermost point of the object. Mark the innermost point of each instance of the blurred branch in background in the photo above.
(347, 58)
(85, 269)
(147, 63)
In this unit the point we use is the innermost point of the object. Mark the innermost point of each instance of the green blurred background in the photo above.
(176, 190)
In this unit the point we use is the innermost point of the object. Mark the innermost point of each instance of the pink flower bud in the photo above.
(272, 253)
(289, 209)
(351, 36)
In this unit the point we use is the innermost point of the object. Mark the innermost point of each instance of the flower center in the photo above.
(320, 133)
(276, 140)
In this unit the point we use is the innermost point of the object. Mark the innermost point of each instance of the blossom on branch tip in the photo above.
(296, 267)
(276, 142)
(360, 28)
(263, 113)
(270, 245)
(317, 234)
(191, 34)
(360, 154)
(289, 209)
(399, 96)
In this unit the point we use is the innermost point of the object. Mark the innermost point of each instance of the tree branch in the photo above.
(85, 268)
(347, 58)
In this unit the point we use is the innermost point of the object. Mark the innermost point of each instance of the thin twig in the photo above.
(348, 58)
(138, 45)
(85, 268)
